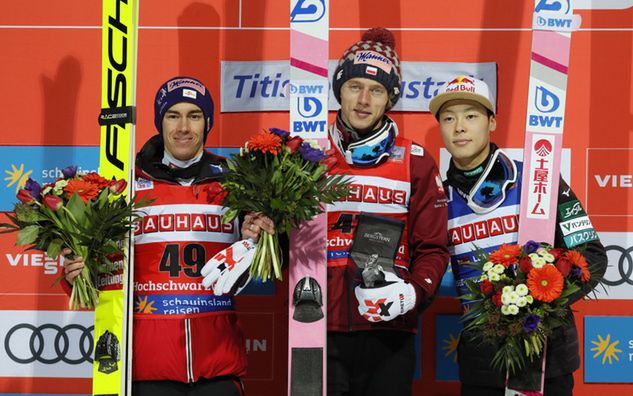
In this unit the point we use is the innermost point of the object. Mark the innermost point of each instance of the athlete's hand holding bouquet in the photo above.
(283, 178)
(85, 213)
(521, 296)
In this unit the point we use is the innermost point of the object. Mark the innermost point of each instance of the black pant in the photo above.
(368, 363)
(555, 386)
(220, 386)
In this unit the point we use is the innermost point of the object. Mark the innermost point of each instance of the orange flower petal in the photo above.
(265, 142)
(545, 283)
(506, 255)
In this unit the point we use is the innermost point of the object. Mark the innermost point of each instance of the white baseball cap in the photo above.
(463, 87)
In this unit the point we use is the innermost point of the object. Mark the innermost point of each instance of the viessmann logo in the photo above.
(609, 181)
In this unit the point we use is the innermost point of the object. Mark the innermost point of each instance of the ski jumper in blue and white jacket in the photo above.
(469, 230)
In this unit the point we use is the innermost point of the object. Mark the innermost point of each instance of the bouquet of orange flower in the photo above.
(521, 296)
(85, 213)
(285, 178)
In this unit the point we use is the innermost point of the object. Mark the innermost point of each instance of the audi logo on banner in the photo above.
(623, 265)
(49, 343)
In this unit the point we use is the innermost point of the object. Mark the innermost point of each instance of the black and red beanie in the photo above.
(372, 57)
(183, 89)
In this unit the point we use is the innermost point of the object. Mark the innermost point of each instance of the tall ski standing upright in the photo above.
(309, 85)
(552, 24)
(113, 328)
(551, 41)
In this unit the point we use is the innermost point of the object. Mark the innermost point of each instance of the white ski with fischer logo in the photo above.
(112, 372)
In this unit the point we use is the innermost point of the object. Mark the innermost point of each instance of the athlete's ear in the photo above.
(492, 123)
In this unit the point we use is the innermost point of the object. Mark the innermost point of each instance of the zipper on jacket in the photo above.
(188, 350)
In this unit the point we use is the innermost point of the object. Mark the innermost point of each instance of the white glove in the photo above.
(227, 272)
(396, 297)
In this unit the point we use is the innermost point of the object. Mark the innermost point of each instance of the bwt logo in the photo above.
(309, 107)
(309, 126)
(545, 101)
(553, 22)
(301, 89)
(308, 11)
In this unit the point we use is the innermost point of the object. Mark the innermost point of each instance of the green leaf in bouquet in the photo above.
(77, 208)
(570, 288)
(27, 235)
(276, 203)
(54, 247)
(25, 213)
(229, 216)
(103, 199)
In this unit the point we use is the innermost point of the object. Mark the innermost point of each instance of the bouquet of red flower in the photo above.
(520, 297)
(85, 213)
(285, 178)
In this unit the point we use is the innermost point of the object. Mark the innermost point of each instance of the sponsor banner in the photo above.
(447, 329)
(264, 85)
(618, 279)
(55, 344)
(610, 182)
(258, 328)
(42, 164)
(575, 225)
(29, 275)
(179, 304)
(608, 351)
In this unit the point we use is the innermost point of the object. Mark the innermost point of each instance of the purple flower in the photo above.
(69, 171)
(531, 247)
(33, 188)
(531, 323)
(310, 153)
(280, 132)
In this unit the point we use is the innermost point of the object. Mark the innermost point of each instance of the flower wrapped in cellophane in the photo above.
(84, 212)
(284, 178)
(521, 296)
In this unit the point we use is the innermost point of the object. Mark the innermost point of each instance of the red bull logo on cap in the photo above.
(461, 84)
(462, 80)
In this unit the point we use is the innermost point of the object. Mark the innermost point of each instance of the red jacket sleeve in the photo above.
(428, 222)
(66, 287)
